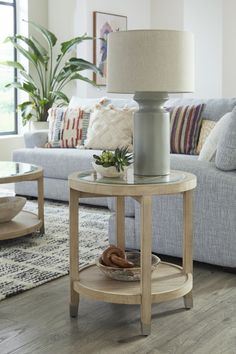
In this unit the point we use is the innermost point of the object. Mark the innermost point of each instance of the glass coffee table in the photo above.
(169, 281)
(25, 222)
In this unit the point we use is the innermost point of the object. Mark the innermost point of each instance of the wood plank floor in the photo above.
(37, 322)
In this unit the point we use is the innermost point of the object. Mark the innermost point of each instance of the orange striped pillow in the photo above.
(71, 135)
(185, 124)
(67, 127)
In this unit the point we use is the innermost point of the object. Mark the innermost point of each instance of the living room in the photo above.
(189, 209)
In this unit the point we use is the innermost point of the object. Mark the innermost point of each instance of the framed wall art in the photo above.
(103, 24)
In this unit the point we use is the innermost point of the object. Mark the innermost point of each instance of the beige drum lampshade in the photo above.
(150, 61)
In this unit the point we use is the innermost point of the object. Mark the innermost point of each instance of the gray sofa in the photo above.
(214, 198)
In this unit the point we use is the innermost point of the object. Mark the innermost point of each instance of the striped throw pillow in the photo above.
(185, 124)
(71, 133)
(67, 127)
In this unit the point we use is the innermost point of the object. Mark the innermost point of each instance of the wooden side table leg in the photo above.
(146, 250)
(120, 222)
(74, 251)
(187, 243)
(41, 203)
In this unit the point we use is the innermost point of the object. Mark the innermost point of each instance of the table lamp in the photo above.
(150, 64)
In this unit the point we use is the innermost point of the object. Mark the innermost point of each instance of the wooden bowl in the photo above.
(10, 207)
(126, 274)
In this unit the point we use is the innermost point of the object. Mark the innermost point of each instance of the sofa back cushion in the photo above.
(213, 108)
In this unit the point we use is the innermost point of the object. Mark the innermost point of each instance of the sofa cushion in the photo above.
(208, 150)
(226, 148)
(185, 124)
(57, 163)
(213, 108)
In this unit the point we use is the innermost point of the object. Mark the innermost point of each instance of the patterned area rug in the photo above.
(33, 260)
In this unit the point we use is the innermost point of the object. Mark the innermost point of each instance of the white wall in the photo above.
(167, 14)
(76, 17)
(229, 49)
(138, 13)
(204, 19)
(8, 144)
(62, 21)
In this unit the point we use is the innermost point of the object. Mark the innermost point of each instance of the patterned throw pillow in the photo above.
(67, 127)
(207, 126)
(110, 127)
(71, 133)
(185, 123)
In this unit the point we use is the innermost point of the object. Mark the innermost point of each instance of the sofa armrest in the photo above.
(36, 139)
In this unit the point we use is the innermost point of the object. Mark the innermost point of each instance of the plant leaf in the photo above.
(49, 36)
(41, 48)
(68, 45)
(26, 53)
(60, 95)
(13, 64)
(29, 87)
(77, 76)
(82, 64)
(14, 84)
(32, 46)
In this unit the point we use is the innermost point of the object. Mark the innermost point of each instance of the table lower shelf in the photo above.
(168, 283)
(24, 223)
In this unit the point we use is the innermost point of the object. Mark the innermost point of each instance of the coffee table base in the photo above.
(168, 282)
(23, 224)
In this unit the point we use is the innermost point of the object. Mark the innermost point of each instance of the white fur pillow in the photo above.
(109, 128)
(208, 150)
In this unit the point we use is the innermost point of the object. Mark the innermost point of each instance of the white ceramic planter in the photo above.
(108, 171)
(39, 126)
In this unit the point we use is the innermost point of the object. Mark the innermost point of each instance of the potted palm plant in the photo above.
(52, 71)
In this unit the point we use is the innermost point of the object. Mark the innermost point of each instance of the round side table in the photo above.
(168, 281)
(25, 222)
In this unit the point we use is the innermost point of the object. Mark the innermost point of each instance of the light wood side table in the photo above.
(25, 222)
(169, 281)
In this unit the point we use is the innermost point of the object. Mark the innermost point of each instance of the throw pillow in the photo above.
(226, 148)
(71, 135)
(208, 150)
(207, 126)
(185, 123)
(55, 119)
(109, 128)
(67, 127)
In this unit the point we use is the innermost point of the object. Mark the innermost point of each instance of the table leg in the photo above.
(187, 243)
(120, 222)
(146, 250)
(74, 250)
(41, 203)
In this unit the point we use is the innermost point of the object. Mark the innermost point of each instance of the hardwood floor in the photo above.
(37, 321)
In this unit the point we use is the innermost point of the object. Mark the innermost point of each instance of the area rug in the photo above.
(30, 261)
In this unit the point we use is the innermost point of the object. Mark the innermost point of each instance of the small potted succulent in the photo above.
(113, 164)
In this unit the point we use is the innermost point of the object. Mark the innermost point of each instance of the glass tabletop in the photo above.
(130, 178)
(10, 168)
